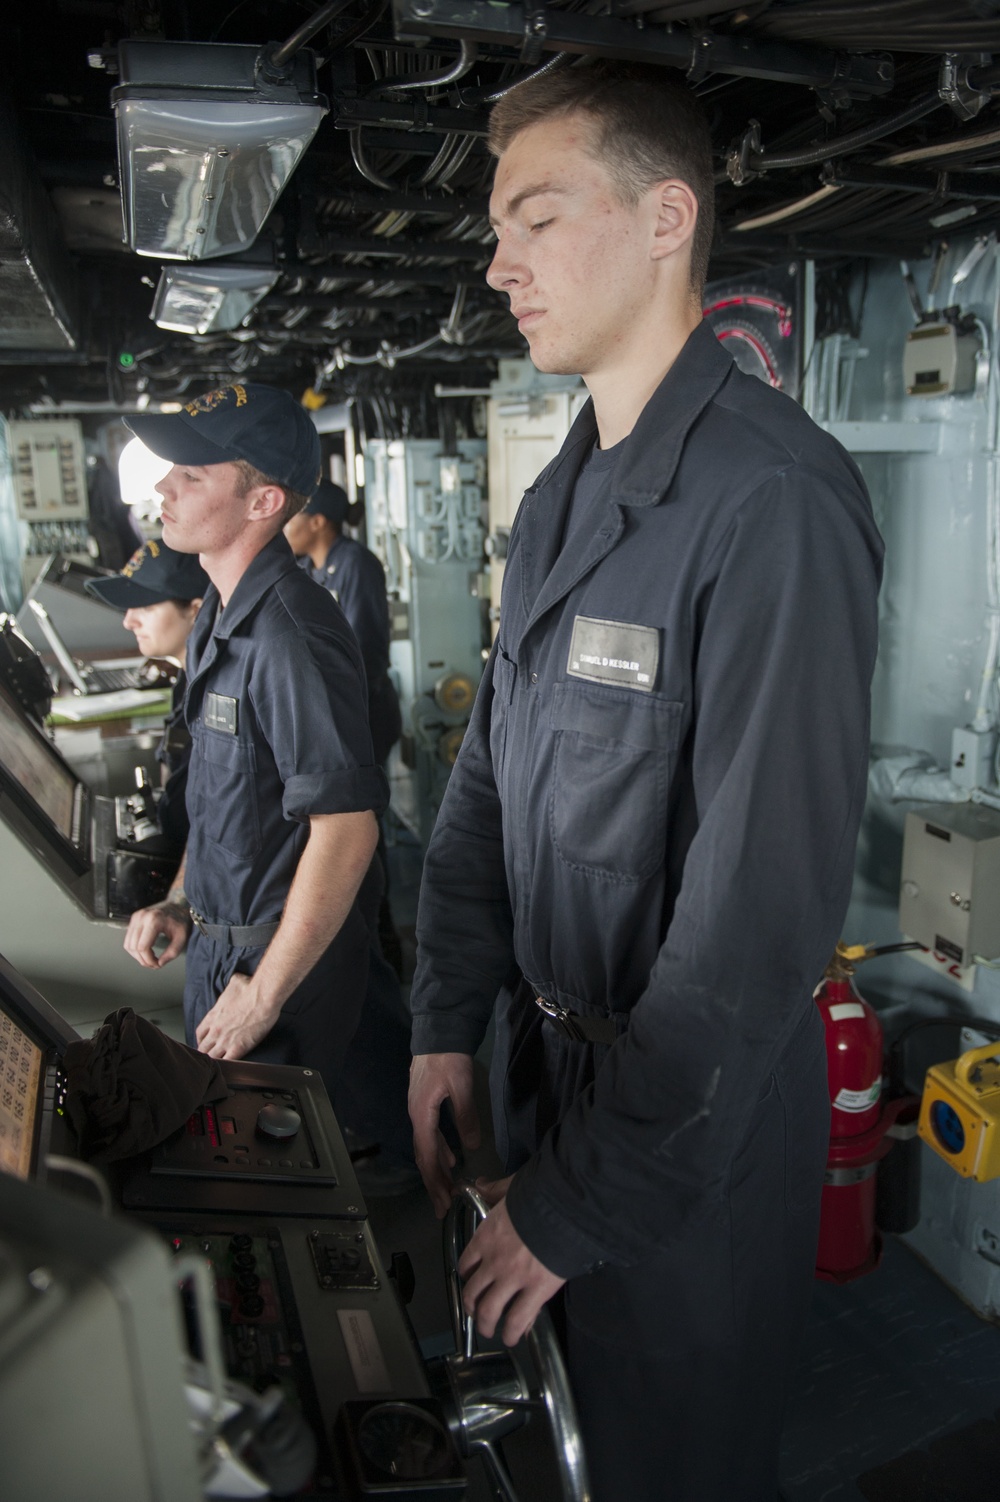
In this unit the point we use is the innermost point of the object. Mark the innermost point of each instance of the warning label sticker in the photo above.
(858, 1100)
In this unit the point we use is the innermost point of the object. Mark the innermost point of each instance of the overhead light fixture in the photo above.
(209, 299)
(208, 136)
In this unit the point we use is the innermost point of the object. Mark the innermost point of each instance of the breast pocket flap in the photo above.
(614, 714)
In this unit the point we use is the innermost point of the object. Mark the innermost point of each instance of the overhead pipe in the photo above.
(748, 158)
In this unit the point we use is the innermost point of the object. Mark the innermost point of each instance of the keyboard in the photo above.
(108, 680)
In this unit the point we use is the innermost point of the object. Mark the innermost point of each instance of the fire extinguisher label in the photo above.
(858, 1100)
(841, 1010)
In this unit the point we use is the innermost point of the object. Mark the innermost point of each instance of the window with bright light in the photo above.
(139, 471)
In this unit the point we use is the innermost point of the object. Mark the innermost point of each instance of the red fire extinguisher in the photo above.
(849, 1242)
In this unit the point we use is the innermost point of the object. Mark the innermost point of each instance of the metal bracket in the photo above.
(912, 293)
(415, 114)
(421, 113)
(954, 86)
(701, 56)
(738, 158)
(536, 30)
(971, 261)
(840, 92)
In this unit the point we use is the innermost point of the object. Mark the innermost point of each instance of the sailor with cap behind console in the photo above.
(356, 579)
(160, 593)
(283, 789)
(371, 1097)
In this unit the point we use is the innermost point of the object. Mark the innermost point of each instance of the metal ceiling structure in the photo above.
(842, 129)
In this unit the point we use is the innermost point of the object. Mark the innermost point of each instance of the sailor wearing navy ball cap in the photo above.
(283, 789)
(159, 593)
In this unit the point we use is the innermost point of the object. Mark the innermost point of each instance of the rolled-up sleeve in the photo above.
(308, 694)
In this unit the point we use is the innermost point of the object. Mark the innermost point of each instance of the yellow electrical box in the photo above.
(960, 1112)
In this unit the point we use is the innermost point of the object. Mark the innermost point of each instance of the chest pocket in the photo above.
(614, 757)
(222, 796)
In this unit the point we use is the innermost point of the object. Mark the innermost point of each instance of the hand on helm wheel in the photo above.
(493, 1190)
(499, 1271)
(435, 1078)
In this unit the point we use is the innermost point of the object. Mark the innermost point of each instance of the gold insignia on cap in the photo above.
(138, 558)
(209, 400)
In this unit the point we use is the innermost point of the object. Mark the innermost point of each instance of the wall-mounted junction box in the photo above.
(972, 753)
(950, 888)
(940, 360)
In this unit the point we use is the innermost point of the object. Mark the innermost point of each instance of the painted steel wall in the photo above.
(932, 509)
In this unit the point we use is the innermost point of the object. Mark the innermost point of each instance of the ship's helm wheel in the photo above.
(488, 1394)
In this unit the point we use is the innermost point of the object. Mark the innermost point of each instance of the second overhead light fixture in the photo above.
(209, 299)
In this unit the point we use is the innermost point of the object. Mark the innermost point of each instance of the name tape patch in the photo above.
(220, 713)
(613, 652)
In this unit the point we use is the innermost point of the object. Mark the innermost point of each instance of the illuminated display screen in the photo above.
(36, 767)
(20, 1078)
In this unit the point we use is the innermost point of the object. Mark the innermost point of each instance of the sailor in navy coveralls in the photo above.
(645, 851)
(283, 790)
(371, 1096)
(356, 579)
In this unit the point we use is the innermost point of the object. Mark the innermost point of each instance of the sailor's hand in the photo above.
(167, 920)
(493, 1190)
(238, 1021)
(500, 1273)
(435, 1078)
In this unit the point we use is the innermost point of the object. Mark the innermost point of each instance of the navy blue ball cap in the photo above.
(329, 500)
(152, 574)
(261, 424)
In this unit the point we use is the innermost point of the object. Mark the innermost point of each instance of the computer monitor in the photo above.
(91, 628)
(71, 831)
(33, 1038)
(41, 796)
(20, 1082)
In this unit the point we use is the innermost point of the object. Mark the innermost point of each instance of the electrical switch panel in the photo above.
(50, 475)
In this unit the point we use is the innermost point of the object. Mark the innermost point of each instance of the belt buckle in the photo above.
(199, 922)
(563, 1019)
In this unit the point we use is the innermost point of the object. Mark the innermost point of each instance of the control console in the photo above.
(293, 1372)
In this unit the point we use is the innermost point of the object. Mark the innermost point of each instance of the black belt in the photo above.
(579, 1029)
(239, 938)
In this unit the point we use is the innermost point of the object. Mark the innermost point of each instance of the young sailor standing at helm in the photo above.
(283, 790)
(645, 850)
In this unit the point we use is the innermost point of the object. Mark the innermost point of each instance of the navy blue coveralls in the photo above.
(356, 579)
(652, 820)
(276, 709)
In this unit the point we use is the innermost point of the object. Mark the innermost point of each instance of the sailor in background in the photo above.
(160, 593)
(356, 579)
(371, 1094)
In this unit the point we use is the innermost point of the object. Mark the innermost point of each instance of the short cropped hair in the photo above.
(649, 127)
(250, 477)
